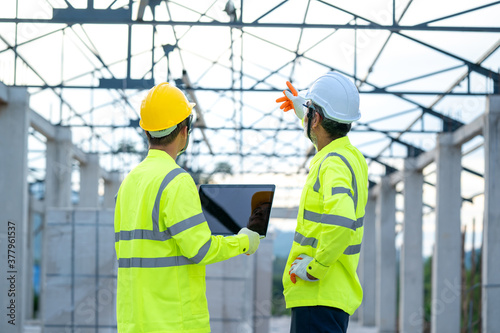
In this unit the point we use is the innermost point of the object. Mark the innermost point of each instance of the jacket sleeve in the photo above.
(185, 222)
(339, 215)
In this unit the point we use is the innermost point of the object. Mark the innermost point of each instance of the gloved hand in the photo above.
(299, 268)
(292, 100)
(253, 240)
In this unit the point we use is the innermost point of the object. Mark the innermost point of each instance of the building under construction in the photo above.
(72, 77)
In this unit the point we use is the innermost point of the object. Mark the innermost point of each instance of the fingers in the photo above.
(293, 278)
(282, 99)
(292, 88)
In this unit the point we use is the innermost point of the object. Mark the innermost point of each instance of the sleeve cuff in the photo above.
(317, 270)
(243, 242)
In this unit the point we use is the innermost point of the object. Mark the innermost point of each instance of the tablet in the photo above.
(228, 208)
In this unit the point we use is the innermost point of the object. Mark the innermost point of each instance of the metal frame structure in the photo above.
(60, 50)
(68, 18)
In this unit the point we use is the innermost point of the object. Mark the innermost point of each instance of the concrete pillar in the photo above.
(491, 222)
(59, 167)
(385, 233)
(367, 261)
(446, 281)
(14, 123)
(111, 187)
(411, 308)
(89, 182)
(263, 285)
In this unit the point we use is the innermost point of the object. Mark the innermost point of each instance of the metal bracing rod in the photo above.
(278, 90)
(264, 129)
(299, 41)
(59, 94)
(460, 13)
(269, 11)
(479, 69)
(376, 120)
(197, 12)
(94, 51)
(34, 39)
(370, 69)
(476, 68)
(485, 56)
(424, 76)
(187, 82)
(90, 19)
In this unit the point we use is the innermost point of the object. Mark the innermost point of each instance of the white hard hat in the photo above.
(337, 95)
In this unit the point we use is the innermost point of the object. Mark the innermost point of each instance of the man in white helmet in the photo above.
(320, 281)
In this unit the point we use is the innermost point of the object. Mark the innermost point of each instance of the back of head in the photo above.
(162, 110)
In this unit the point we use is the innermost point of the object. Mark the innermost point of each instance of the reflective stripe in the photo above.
(153, 262)
(354, 185)
(313, 242)
(186, 224)
(333, 220)
(202, 252)
(359, 223)
(156, 208)
(154, 234)
(305, 241)
(338, 220)
(353, 249)
(125, 235)
(312, 216)
(341, 190)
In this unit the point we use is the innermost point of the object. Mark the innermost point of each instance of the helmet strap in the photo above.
(189, 129)
(310, 117)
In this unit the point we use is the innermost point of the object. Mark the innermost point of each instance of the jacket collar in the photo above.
(154, 153)
(332, 146)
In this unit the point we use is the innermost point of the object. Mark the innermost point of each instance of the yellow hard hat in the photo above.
(165, 106)
(260, 198)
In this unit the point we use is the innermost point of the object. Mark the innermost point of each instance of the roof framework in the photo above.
(420, 70)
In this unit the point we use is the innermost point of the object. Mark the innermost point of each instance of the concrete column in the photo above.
(491, 222)
(367, 261)
(14, 123)
(89, 182)
(446, 282)
(385, 225)
(59, 167)
(263, 285)
(111, 187)
(411, 308)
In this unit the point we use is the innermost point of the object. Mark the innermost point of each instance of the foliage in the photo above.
(279, 307)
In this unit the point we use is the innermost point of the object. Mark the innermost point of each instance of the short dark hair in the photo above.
(167, 139)
(333, 128)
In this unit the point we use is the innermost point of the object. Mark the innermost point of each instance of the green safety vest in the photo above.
(163, 243)
(330, 229)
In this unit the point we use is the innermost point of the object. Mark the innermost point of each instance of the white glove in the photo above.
(253, 240)
(292, 100)
(299, 268)
(298, 103)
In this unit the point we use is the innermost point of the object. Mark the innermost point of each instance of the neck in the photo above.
(324, 141)
(170, 149)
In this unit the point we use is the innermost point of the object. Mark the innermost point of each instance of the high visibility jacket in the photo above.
(330, 229)
(162, 243)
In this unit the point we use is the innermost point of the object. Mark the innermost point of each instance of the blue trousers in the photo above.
(318, 319)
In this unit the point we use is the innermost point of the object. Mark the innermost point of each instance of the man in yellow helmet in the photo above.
(320, 281)
(162, 239)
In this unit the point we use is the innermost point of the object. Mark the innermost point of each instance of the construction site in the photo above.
(73, 74)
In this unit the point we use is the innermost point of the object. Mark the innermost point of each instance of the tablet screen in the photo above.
(228, 208)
